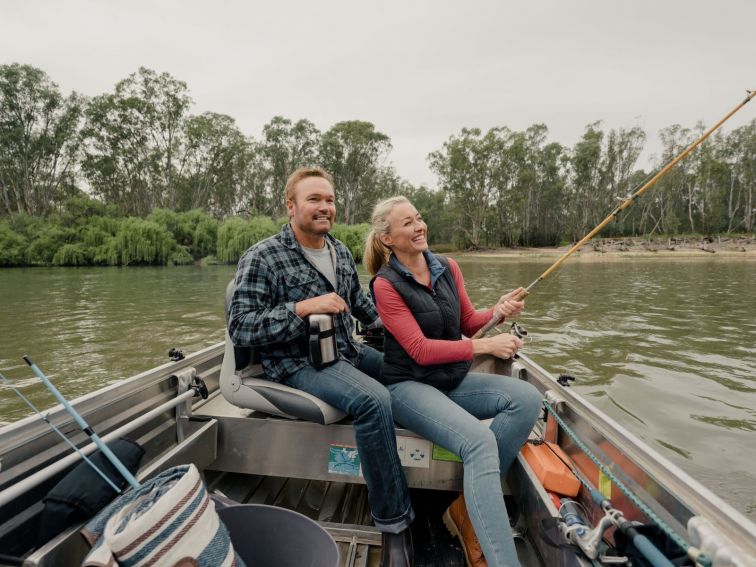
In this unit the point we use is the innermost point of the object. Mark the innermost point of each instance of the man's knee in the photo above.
(374, 400)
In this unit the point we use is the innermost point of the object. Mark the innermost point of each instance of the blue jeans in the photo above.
(452, 420)
(357, 392)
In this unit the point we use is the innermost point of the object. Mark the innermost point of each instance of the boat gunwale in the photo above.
(679, 484)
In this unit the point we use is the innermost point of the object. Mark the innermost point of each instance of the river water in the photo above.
(665, 346)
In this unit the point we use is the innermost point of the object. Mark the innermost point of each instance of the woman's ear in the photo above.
(386, 240)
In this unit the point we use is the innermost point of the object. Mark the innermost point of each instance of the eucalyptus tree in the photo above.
(38, 140)
(255, 196)
(354, 153)
(134, 148)
(471, 169)
(548, 207)
(741, 151)
(215, 159)
(585, 181)
(674, 198)
(285, 146)
(601, 168)
(439, 217)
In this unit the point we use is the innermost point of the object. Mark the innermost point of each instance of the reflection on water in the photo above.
(668, 348)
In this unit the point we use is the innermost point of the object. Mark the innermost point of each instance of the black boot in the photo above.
(397, 550)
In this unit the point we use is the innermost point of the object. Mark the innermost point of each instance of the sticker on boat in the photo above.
(344, 459)
(441, 454)
(414, 452)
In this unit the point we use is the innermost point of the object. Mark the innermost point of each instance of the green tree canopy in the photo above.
(38, 141)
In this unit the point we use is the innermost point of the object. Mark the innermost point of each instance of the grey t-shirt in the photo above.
(323, 260)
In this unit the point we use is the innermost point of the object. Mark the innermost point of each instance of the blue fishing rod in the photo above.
(46, 419)
(84, 425)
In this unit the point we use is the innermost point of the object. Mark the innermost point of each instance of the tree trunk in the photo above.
(731, 210)
(690, 207)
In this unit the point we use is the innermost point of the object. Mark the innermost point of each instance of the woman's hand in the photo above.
(501, 346)
(508, 306)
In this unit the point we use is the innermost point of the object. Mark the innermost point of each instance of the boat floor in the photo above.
(342, 509)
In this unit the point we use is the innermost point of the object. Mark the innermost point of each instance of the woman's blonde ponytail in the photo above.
(376, 252)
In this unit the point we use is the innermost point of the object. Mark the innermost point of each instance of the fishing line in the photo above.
(116, 462)
(46, 419)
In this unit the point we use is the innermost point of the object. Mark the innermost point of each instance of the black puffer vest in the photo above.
(437, 312)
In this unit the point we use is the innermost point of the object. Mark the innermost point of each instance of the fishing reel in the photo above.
(518, 330)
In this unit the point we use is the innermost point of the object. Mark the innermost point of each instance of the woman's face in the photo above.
(407, 230)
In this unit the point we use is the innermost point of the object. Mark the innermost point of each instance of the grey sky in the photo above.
(419, 70)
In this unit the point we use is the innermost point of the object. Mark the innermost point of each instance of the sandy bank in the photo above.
(610, 249)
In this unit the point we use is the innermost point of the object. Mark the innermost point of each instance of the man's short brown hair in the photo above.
(302, 173)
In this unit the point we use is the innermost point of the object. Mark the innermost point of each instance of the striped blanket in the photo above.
(168, 521)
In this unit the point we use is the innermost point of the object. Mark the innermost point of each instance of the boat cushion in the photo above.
(243, 383)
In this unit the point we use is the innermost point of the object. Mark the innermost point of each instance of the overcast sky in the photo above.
(419, 70)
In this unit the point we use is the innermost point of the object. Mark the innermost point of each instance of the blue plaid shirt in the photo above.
(271, 277)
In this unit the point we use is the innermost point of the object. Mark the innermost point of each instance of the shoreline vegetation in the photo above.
(88, 233)
(132, 177)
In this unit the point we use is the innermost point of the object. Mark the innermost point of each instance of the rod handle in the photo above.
(496, 320)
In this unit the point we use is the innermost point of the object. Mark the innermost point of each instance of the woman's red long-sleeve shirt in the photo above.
(399, 321)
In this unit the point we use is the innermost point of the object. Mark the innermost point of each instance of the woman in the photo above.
(425, 310)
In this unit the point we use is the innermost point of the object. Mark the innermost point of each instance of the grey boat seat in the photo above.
(242, 383)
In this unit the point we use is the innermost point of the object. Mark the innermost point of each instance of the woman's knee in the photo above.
(480, 441)
(531, 400)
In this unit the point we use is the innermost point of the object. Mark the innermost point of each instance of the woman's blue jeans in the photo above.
(452, 420)
(358, 392)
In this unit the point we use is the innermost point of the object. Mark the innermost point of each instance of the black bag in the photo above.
(82, 492)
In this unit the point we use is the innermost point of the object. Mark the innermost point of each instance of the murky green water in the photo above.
(666, 347)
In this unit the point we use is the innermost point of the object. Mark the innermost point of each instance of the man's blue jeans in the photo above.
(452, 420)
(358, 392)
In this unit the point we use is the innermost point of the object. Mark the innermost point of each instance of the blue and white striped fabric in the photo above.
(168, 521)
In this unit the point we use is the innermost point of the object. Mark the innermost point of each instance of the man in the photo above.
(301, 271)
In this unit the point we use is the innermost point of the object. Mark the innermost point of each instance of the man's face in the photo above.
(313, 209)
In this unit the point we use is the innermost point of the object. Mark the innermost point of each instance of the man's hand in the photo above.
(501, 346)
(508, 307)
(329, 303)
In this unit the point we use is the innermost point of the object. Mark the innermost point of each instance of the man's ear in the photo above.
(289, 207)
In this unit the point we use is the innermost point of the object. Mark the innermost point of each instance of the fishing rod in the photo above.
(627, 202)
(84, 425)
(46, 419)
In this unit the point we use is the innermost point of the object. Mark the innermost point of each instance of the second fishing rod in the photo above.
(614, 214)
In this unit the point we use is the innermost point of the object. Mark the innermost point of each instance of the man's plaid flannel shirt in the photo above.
(271, 277)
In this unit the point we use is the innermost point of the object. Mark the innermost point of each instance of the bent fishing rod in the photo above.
(626, 203)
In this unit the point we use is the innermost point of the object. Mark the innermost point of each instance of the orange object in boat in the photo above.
(550, 469)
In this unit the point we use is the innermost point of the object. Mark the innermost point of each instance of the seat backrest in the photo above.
(242, 383)
(244, 356)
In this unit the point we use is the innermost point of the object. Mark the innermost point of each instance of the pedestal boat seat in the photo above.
(242, 384)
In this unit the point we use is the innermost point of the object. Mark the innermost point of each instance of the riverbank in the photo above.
(617, 248)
